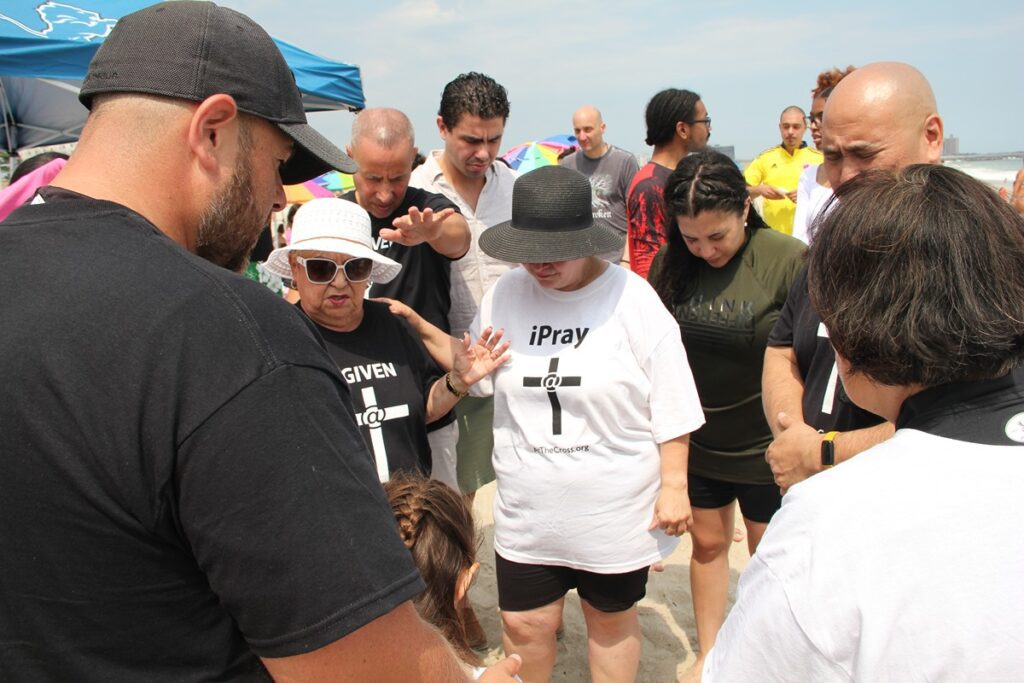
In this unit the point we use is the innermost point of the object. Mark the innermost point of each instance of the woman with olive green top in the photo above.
(724, 275)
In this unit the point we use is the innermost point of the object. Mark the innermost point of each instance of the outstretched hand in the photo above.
(473, 362)
(417, 227)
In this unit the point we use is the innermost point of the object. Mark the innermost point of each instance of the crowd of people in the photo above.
(831, 338)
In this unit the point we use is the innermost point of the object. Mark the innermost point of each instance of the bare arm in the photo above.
(446, 231)
(766, 191)
(672, 511)
(369, 654)
(440, 345)
(472, 362)
(795, 454)
(782, 389)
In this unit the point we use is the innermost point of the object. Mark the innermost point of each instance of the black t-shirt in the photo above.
(825, 403)
(182, 487)
(425, 281)
(389, 373)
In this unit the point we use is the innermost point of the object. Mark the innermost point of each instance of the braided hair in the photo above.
(706, 181)
(436, 525)
(665, 110)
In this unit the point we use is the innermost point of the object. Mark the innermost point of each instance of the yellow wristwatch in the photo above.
(828, 450)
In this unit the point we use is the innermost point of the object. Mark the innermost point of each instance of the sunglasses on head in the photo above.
(322, 271)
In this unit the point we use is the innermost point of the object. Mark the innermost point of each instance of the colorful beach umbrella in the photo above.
(336, 181)
(303, 192)
(530, 155)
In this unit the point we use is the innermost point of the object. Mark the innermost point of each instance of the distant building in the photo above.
(951, 145)
(727, 150)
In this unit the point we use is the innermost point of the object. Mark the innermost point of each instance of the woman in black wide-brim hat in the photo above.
(591, 422)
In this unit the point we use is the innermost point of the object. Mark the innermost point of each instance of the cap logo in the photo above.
(65, 22)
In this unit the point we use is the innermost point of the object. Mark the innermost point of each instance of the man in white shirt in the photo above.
(471, 121)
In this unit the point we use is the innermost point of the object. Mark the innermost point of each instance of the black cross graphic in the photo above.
(550, 382)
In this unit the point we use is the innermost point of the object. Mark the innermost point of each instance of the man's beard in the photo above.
(231, 224)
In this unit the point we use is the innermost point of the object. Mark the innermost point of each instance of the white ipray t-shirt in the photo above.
(597, 379)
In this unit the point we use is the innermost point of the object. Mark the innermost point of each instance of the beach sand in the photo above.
(666, 614)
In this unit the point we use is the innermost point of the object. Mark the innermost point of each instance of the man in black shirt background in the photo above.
(423, 231)
(882, 116)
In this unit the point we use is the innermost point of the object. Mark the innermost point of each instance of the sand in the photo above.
(666, 614)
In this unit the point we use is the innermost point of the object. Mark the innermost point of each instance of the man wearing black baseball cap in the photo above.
(160, 521)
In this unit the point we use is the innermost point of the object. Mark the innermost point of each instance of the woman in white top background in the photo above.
(813, 189)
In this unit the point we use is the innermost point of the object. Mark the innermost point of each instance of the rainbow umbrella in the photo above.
(303, 192)
(336, 181)
(531, 155)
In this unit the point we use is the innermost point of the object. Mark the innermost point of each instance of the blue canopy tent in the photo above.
(45, 49)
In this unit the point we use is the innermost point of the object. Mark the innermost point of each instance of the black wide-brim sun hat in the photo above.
(552, 220)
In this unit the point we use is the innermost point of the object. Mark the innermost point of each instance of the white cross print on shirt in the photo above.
(830, 389)
(374, 418)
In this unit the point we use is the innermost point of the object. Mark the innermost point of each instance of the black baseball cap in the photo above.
(191, 50)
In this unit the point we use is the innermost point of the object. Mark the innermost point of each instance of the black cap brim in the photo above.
(314, 155)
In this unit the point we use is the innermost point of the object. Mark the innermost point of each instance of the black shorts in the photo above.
(758, 502)
(524, 587)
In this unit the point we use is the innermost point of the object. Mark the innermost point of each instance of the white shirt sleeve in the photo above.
(675, 405)
(761, 639)
(485, 386)
(802, 217)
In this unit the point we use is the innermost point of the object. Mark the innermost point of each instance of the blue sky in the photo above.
(748, 60)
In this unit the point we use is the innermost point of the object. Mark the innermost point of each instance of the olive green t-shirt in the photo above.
(725, 327)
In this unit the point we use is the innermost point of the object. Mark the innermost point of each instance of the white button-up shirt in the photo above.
(476, 272)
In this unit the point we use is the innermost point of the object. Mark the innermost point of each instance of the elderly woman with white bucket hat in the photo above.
(592, 417)
(397, 389)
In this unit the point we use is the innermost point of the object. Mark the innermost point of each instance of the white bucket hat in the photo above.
(337, 226)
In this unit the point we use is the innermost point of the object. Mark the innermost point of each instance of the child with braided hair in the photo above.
(437, 527)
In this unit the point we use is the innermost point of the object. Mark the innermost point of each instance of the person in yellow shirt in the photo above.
(774, 174)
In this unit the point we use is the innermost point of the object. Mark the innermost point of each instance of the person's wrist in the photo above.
(828, 450)
(455, 385)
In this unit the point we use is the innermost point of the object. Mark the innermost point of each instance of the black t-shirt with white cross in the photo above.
(825, 403)
(390, 374)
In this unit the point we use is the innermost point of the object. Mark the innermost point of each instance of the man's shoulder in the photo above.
(651, 176)
(422, 198)
(621, 154)
(570, 160)
(425, 175)
(809, 155)
(767, 153)
(778, 244)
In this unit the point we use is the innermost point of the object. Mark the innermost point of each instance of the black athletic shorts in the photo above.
(524, 587)
(758, 502)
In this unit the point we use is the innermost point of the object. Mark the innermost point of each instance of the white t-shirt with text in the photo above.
(597, 379)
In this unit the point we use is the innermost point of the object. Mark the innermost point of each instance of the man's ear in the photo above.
(933, 137)
(213, 132)
(441, 128)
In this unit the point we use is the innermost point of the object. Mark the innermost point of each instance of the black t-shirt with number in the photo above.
(182, 486)
(825, 403)
(425, 281)
(389, 373)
